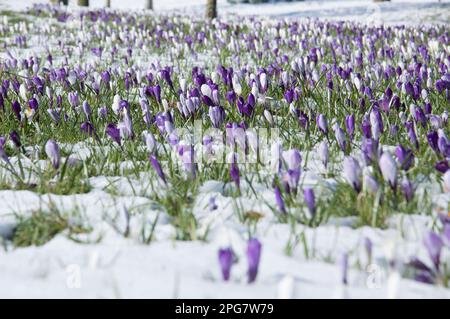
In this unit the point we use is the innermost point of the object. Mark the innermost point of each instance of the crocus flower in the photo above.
(52, 151)
(352, 172)
(407, 189)
(253, 257)
(322, 123)
(323, 153)
(279, 200)
(433, 243)
(310, 200)
(226, 258)
(404, 156)
(350, 125)
(15, 138)
(442, 166)
(3, 154)
(157, 167)
(388, 169)
(234, 173)
(17, 109)
(114, 133)
(216, 115)
(87, 110)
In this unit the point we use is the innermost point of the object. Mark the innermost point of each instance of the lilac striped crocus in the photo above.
(388, 169)
(352, 172)
(226, 258)
(253, 257)
(433, 243)
(322, 123)
(157, 167)
(52, 151)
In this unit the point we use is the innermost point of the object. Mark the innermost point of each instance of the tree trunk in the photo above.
(149, 4)
(83, 3)
(108, 3)
(211, 9)
(64, 2)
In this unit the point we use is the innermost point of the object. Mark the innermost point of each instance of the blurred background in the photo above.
(376, 11)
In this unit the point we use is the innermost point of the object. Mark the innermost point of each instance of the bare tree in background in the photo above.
(83, 3)
(149, 4)
(108, 3)
(211, 9)
(64, 2)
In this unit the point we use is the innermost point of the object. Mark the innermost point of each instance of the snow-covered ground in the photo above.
(393, 12)
(119, 267)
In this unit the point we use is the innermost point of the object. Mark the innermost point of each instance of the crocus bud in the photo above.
(322, 123)
(157, 167)
(433, 243)
(388, 169)
(279, 200)
(15, 138)
(407, 189)
(149, 141)
(323, 153)
(352, 172)
(226, 261)
(310, 200)
(253, 257)
(52, 151)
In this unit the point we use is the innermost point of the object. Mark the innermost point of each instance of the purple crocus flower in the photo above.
(216, 115)
(279, 200)
(17, 110)
(322, 123)
(226, 258)
(87, 110)
(52, 151)
(432, 138)
(433, 243)
(407, 189)
(310, 200)
(352, 172)
(157, 167)
(3, 154)
(350, 125)
(114, 133)
(15, 138)
(442, 166)
(388, 169)
(234, 173)
(253, 257)
(404, 156)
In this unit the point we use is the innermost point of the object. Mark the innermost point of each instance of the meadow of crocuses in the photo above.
(164, 155)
